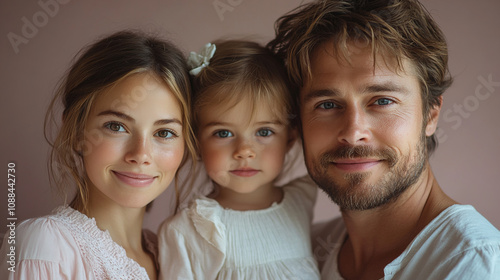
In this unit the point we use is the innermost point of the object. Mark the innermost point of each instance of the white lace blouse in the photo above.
(69, 245)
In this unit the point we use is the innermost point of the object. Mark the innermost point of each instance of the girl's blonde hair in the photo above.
(98, 67)
(243, 69)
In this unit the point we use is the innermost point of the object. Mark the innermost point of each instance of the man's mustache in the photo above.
(353, 152)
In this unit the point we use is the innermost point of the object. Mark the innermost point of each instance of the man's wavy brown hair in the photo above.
(401, 28)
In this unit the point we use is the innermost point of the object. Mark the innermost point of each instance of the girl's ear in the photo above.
(292, 137)
(433, 117)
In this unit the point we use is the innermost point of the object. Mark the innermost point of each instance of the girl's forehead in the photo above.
(246, 111)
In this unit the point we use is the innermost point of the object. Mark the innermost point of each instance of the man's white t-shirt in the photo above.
(458, 244)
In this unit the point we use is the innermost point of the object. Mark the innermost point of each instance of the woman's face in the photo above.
(133, 142)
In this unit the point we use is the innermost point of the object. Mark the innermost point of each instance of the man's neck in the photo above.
(378, 236)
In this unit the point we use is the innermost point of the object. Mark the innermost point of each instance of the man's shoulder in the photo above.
(460, 239)
(457, 229)
(465, 224)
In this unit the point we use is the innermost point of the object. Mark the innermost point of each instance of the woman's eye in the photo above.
(383, 101)
(327, 105)
(165, 134)
(116, 127)
(264, 132)
(223, 134)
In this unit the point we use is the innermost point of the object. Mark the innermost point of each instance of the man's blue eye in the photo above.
(383, 101)
(264, 132)
(327, 105)
(223, 134)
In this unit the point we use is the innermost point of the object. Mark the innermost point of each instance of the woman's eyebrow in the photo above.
(129, 118)
(116, 114)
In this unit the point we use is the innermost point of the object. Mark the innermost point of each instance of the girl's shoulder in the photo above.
(200, 223)
(201, 212)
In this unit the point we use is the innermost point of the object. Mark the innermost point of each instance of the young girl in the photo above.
(247, 228)
(123, 135)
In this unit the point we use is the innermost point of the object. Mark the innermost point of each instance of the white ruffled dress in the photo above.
(206, 241)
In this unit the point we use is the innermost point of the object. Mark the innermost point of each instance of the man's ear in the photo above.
(433, 118)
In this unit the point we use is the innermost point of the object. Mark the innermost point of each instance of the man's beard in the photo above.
(354, 194)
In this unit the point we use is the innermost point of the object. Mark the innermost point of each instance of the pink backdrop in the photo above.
(41, 37)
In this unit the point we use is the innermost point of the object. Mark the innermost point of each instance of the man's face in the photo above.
(363, 128)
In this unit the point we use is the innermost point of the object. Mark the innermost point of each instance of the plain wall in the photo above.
(465, 163)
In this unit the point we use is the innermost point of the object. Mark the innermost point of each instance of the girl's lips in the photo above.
(355, 165)
(244, 172)
(134, 179)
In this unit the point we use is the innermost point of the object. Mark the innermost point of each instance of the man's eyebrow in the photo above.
(319, 93)
(372, 88)
(130, 119)
(385, 87)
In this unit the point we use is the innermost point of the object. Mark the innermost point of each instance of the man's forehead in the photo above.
(356, 54)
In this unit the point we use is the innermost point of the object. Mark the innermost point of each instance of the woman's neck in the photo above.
(123, 224)
(125, 228)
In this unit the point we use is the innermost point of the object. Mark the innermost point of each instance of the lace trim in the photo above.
(106, 257)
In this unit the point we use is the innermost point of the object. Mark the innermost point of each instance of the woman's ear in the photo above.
(433, 118)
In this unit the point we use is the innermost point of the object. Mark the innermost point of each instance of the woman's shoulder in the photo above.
(44, 238)
(44, 248)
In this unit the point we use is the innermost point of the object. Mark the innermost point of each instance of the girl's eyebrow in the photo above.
(216, 124)
(130, 119)
(275, 122)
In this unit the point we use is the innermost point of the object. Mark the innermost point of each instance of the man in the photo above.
(370, 75)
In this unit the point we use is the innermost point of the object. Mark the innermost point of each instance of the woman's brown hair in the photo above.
(98, 67)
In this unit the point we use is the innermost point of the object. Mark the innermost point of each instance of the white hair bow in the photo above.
(198, 61)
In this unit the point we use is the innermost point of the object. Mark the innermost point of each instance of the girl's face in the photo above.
(242, 151)
(133, 142)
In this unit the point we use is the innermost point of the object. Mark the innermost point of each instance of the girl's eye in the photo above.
(223, 134)
(114, 126)
(383, 101)
(165, 134)
(327, 105)
(264, 132)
